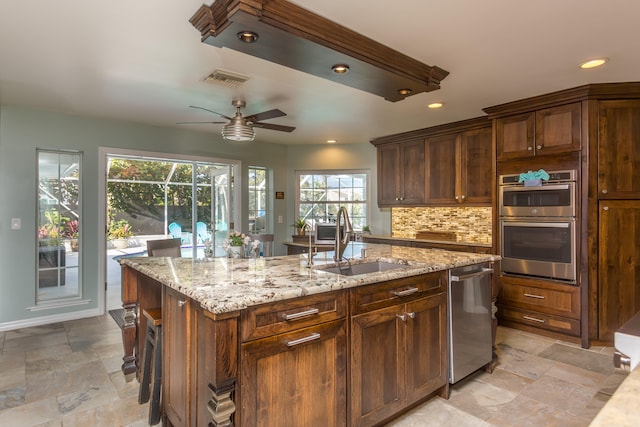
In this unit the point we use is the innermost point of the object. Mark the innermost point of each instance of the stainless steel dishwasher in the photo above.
(470, 343)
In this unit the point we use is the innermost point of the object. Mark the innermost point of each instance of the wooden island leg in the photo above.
(129, 292)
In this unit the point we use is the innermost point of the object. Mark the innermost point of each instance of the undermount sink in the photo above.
(362, 268)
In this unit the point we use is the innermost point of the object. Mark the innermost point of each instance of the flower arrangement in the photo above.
(236, 238)
(71, 229)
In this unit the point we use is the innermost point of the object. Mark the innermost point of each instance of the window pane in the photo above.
(58, 226)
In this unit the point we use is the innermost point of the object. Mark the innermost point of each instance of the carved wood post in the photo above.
(221, 406)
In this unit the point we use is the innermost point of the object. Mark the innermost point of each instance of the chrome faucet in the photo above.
(342, 241)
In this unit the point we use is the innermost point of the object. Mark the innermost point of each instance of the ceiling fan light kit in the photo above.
(297, 38)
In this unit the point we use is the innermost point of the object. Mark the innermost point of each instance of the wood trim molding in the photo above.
(460, 126)
(297, 38)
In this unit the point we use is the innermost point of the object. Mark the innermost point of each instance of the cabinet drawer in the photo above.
(379, 295)
(540, 320)
(563, 300)
(284, 316)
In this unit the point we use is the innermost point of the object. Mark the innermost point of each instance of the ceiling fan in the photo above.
(240, 128)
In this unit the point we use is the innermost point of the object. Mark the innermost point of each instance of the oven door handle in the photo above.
(537, 224)
(542, 187)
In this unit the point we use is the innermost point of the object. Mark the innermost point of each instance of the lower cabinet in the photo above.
(296, 379)
(176, 357)
(398, 354)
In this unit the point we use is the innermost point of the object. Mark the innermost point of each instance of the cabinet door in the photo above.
(377, 365)
(426, 346)
(441, 164)
(388, 174)
(296, 379)
(619, 257)
(515, 136)
(558, 129)
(413, 173)
(476, 167)
(176, 324)
(619, 150)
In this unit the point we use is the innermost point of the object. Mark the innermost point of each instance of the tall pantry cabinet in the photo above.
(617, 207)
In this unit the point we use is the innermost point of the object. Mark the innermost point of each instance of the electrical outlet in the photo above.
(16, 223)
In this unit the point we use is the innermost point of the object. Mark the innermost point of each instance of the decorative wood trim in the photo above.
(292, 36)
(220, 405)
(460, 126)
(580, 93)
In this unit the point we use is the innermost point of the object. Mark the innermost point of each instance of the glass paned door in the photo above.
(221, 206)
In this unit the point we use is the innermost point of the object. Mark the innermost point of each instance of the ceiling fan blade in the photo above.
(271, 126)
(194, 123)
(265, 115)
(211, 111)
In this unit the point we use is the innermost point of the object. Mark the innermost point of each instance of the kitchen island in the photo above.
(269, 341)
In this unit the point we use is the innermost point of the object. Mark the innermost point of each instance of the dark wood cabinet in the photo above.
(401, 173)
(619, 149)
(177, 324)
(294, 358)
(619, 265)
(440, 166)
(398, 346)
(553, 130)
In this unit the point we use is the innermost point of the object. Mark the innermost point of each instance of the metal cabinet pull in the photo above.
(402, 317)
(533, 319)
(529, 148)
(534, 296)
(539, 147)
(604, 191)
(405, 292)
(181, 303)
(411, 315)
(313, 336)
(300, 314)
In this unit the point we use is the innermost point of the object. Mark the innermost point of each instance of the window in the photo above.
(321, 193)
(259, 212)
(58, 225)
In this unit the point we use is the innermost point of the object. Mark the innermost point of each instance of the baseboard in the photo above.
(46, 320)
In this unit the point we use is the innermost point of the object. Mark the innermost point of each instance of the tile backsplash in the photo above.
(470, 224)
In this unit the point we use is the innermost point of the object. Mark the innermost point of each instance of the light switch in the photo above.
(16, 223)
(279, 219)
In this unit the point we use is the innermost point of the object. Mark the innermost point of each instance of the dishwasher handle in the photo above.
(480, 273)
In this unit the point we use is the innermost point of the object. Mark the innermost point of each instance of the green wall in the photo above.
(24, 130)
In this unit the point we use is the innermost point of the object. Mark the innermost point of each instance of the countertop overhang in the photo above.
(223, 285)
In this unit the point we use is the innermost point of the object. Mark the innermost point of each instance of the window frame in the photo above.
(268, 200)
(326, 172)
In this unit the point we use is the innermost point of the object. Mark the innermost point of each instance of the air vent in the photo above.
(226, 78)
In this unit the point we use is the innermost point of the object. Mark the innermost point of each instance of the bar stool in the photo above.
(152, 354)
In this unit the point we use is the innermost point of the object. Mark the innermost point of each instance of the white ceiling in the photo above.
(142, 61)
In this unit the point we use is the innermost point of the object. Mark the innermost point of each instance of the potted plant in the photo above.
(119, 233)
(70, 232)
(301, 225)
(366, 230)
(235, 243)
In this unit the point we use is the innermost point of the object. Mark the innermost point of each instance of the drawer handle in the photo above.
(300, 314)
(404, 316)
(313, 336)
(533, 319)
(534, 296)
(405, 292)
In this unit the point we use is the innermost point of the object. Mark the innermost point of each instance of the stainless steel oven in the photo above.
(553, 198)
(543, 248)
(538, 227)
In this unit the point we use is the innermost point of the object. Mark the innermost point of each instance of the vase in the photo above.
(236, 251)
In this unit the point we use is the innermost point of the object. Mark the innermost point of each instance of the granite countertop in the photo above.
(223, 285)
(622, 408)
(448, 242)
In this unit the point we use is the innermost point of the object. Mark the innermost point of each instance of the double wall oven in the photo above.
(538, 226)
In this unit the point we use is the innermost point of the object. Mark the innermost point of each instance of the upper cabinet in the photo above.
(553, 130)
(440, 166)
(401, 173)
(619, 149)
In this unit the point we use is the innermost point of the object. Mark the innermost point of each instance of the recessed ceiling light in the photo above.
(435, 105)
(340, 68)
(404, 91)
(331, 141)
(593, 63)
(247, 36)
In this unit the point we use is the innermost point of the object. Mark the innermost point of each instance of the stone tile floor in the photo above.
(68, 374)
